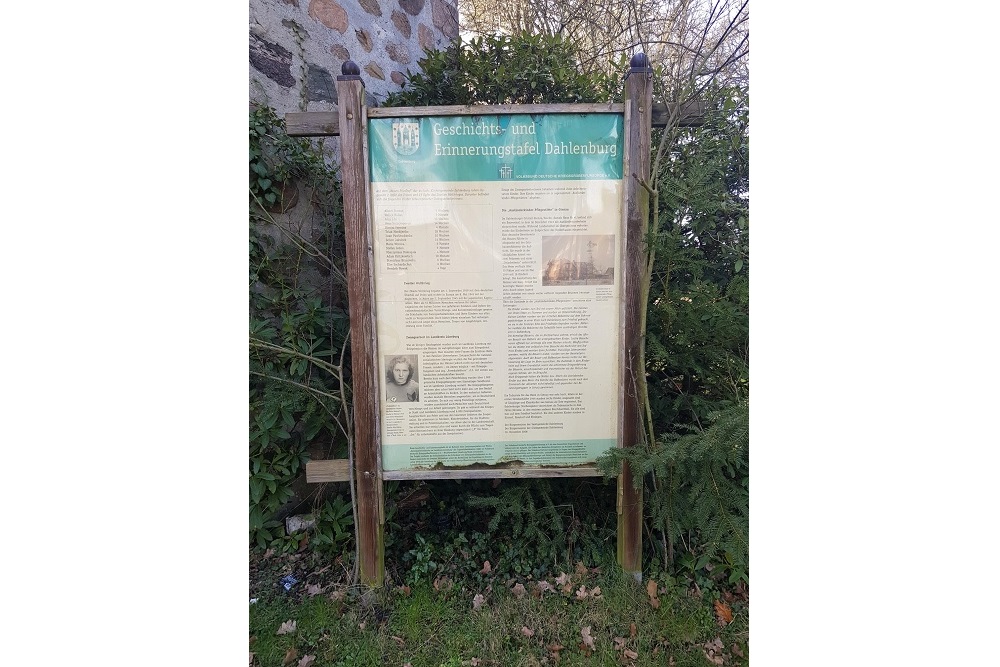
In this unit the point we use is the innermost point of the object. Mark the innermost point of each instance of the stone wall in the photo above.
(298, 46)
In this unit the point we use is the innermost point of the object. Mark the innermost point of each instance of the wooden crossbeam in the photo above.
(327, 470)
(515, 472)
(638, 137)
(337, 470)
(692, 114)
(326, 123)
(312, 124)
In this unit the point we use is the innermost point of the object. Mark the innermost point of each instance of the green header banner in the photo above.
(503, 147)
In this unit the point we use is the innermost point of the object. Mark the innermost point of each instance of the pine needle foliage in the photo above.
(702, 499)
(695, 469)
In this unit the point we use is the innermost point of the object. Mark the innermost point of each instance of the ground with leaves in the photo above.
(303, 613)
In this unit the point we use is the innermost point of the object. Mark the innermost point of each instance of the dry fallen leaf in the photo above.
(518, 590)
(475, 662)
(724, 612)
(554, 652)
(651, 592)
(631, 655)
(398, 640)
(632, 630)
(307, 661)
(737, 651)
(581, 593)
(487, 568)
(361, 625)
(251, 658)
(527, 632)
(287, 628)
(587, 639)
(545, 586)
(443, 584)
(595, 592)
(713, 651)
(478, 601)
(581, 569)
(562, 579)
(619, 643)
(405, 590)
(290, 657)
(314, 589)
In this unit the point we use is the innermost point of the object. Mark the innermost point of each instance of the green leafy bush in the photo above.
(277, 160)
(298, 323)
(506, 69)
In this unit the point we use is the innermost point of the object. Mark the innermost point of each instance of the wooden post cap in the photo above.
(349, 71)
(639, 65)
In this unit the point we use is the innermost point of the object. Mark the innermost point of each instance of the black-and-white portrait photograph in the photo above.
(401, 379)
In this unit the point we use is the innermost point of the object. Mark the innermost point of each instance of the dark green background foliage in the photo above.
(505, 69)
(697, 342)
(695, 466)
(297, 314)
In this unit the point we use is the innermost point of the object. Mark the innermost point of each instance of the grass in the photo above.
(428, 626)
(437, 541)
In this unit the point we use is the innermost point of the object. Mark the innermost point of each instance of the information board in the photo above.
(496, 243)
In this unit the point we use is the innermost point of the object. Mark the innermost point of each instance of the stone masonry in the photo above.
(298, 46)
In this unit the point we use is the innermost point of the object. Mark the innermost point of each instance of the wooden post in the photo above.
(361, 295)
(638, 139)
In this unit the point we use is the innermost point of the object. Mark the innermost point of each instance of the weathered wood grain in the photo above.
(327, 470)
(638, 137)
(327, 123)
(691, 114)
(493, 109)
(312, 124)
(519, 472)
(361, 296)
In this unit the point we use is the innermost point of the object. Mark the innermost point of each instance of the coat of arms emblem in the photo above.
(406, 137)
